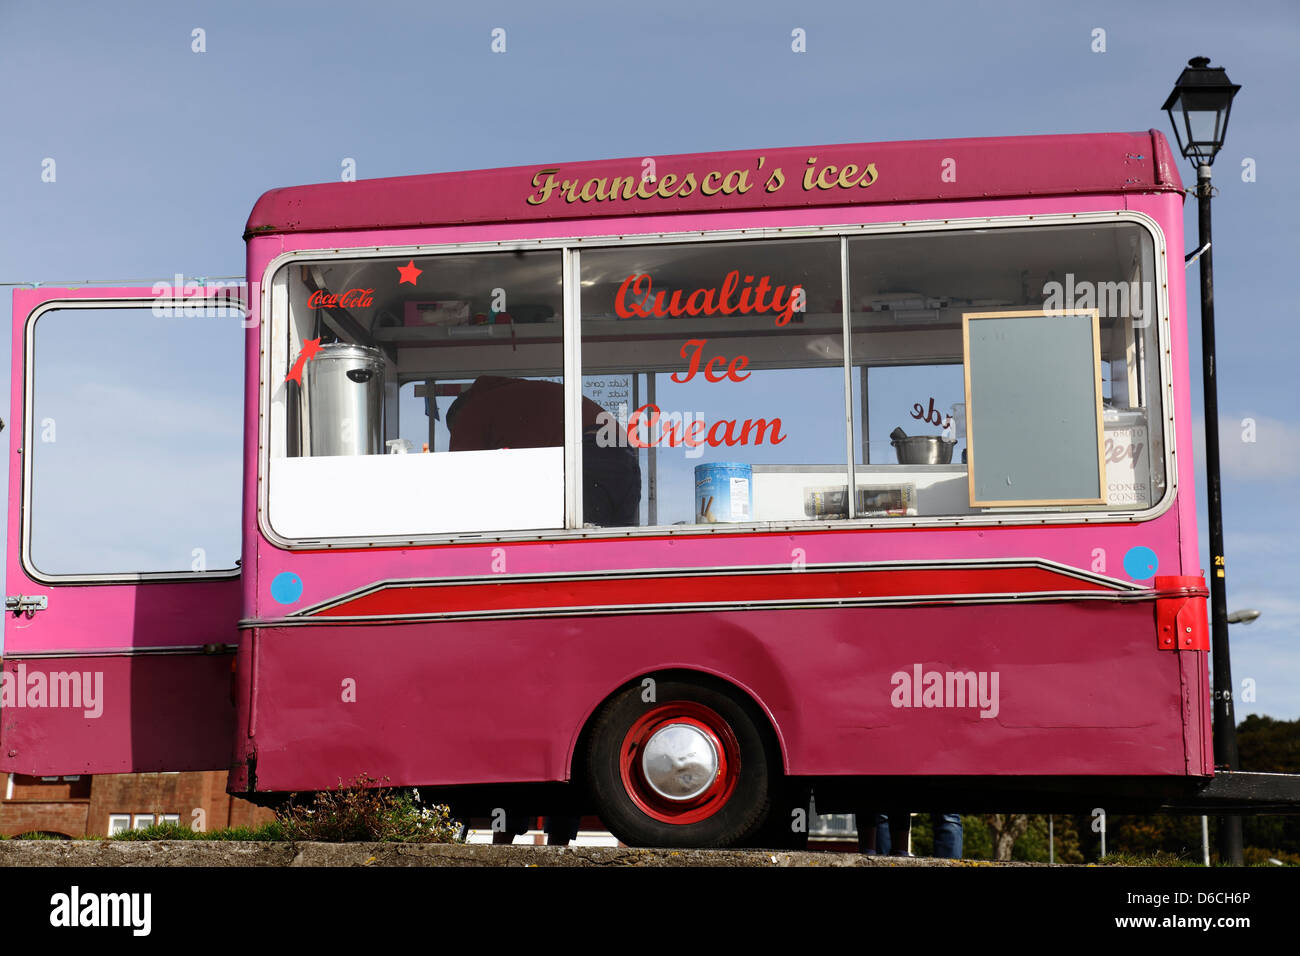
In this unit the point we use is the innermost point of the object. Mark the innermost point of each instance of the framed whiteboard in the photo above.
(1034, 433)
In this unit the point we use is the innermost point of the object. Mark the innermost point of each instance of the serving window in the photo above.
(741, 382)
(1050, 306)
(735, 352)
(418, 396)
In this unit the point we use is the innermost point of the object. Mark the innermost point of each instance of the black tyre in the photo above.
(688, 768)
(787, 824)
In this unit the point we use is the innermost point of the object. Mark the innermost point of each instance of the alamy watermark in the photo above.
(82, 690)
(126, 910)
(202, 298)
(922, 688)
(651, 427)
(1134, 300)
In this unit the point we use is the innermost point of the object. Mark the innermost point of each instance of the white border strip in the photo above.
(573, 243)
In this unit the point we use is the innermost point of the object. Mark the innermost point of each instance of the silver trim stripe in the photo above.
(557, 577)
(1036, 597)
(1116, 590)
(203, 650)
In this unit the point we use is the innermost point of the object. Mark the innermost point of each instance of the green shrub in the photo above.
(160, 831)
(38, 836)
(1257, 856)
(175, 831)
(362, 811)
(1158, 858)
(266, 833)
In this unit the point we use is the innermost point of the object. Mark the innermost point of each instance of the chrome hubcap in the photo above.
(680, 762)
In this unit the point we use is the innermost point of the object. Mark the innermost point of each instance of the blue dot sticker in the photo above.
(1140, 563)
(286, 587)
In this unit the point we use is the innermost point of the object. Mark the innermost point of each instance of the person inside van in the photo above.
(501, 412)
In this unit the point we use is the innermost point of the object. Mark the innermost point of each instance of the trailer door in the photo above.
(122, 587)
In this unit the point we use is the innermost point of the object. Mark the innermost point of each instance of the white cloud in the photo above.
(1273, 455)
(1267, 651)
(1264, 544)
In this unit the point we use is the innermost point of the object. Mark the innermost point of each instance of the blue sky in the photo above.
(161, 151)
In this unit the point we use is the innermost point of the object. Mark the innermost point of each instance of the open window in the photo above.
(913, 383)
(734, 352)
(136, 431)
(417, 396)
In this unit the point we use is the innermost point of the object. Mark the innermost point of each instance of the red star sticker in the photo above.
(409, 273)
(309, 349)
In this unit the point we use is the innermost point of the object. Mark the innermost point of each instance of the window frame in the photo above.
(29, 438)
(274, 353)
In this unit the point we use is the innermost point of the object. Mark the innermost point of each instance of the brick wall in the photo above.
(48, 807)
(66, 818)
(37, 788)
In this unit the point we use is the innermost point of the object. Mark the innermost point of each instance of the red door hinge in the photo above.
(1182, 621)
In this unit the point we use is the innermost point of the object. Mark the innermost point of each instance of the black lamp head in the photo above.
(1198, 109)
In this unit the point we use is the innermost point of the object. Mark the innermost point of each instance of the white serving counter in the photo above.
(801, 492)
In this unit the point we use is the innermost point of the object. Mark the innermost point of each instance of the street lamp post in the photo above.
(1236, 617)
(1198, 108)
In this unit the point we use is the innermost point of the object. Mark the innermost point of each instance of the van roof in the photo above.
(863, 173)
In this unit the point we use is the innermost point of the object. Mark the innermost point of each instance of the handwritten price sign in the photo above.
(609, 392)
(1128, 466)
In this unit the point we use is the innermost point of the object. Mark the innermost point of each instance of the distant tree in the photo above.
(922, 835)
(1005, 829)
(1032, 845)
(1147, 834)
(1036, 845)
(1266, 745)
(977, 844)
(1069, 848)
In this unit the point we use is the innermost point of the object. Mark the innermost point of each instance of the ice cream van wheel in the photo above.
(689, 768)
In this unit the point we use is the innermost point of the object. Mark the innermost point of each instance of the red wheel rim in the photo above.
(702, 721)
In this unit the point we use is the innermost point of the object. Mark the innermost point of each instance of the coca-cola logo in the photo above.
(351, 299)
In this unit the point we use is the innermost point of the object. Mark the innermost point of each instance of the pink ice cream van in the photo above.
(673, 489)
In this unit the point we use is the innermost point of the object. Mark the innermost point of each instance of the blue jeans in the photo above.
(947, 835)
(891, 833)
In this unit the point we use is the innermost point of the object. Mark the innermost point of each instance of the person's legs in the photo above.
(561, 829)
(516, 825)
(900, 830)
(866, 824)
(883, 843)
(947, 835)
